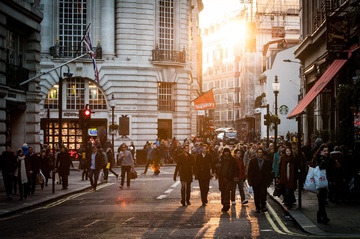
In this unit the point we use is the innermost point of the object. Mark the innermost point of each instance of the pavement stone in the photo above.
(345, 218)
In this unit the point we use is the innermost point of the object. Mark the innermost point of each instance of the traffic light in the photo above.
(87, 117)
(84, 117)
(266, 120)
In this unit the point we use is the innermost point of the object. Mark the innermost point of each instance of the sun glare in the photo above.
(235, 33)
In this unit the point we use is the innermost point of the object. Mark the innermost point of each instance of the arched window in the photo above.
(79, 93)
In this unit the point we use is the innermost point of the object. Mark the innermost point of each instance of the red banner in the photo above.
(205, 102)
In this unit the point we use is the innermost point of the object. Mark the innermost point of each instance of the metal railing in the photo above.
(169, 55)
(59, 51)
(15, 75)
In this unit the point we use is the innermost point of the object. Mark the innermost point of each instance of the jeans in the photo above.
(125, 169)
(94, 176)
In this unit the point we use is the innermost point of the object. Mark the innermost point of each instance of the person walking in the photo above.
(111, 160)
(35, 164)
(95, 163)
(8, 165)
(185, 167)
(23, 174)
(259, 177)
(241, 178)
(127, 162)
(227, 174)
(63, 163)
(322, 159)
(45, 161)
(288, 178)
(203, 172)
(149, 151)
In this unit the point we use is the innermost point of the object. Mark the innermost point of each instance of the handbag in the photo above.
(101, 177)
(108, 166)
(320, 178)
(309, 184)
(40, 178)
(133, 173)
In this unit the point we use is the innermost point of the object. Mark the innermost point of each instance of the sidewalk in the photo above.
(45, 195)
(345, 218)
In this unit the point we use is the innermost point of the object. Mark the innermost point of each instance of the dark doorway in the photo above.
(165, 128)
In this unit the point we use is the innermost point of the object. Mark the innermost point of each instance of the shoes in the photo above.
(326, 220)
(257, 211)
(225, 208)
(121, 187)
(143, 173)
(233, 202)
(188, 203)
(204, 204)
(244, 202)
(183, 203)
(264, 209)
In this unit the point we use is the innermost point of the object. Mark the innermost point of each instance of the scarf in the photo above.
(23, 173)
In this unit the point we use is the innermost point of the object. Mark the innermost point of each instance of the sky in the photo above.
(214, 10)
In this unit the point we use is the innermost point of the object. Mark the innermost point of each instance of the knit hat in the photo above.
(226, 150)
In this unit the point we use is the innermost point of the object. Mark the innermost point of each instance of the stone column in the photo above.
(108, 29)
(3, 88)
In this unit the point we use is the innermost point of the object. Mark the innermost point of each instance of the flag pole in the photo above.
(44, 73)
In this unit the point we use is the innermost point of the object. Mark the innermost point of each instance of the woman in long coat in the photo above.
(288, 176)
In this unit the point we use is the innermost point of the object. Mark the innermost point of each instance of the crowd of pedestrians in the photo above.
(250, 167)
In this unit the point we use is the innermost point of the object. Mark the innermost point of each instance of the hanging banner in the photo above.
(338, 33)
(205, 102)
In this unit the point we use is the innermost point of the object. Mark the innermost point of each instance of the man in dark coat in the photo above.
(203, 172)
(8, 165)
(95, 164)
(259, 177)
(185, 167)
(35, 164)
(63, 166)
(227, 171)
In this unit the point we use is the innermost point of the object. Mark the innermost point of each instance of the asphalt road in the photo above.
(150, 208)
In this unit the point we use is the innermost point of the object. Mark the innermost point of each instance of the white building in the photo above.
(149, 64)
(288, 74)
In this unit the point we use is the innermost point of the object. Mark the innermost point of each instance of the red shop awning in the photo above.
(319, 86)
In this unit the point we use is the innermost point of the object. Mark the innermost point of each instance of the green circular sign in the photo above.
(283, 109)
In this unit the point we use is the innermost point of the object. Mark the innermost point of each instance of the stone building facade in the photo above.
(146, 54)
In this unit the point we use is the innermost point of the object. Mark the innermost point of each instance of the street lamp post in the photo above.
(112, 104)
(60, 106)
(276, 89)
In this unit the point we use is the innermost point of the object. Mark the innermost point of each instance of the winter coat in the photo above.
(63, 163)
(203, 166)
(257, 176)
(288, 172)
(242, 169)
(228, 168)
(185, 167)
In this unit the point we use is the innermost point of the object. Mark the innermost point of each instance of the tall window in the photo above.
(165, 103)
(14, 48)
(75, 93)
(96, 98)
(166, 25)
(52, 100)
(72, 25)
(79, 92)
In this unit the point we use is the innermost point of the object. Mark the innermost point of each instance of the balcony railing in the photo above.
(15, 75)
(168, 56)
(59, 51)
